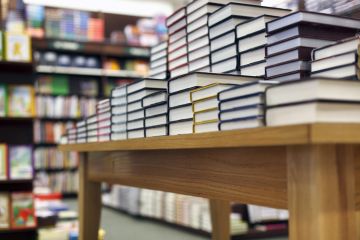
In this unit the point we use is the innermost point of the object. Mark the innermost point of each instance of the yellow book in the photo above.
(205, 104)
(208, 91)
(21, 101)
(207, 126)
(17, 47)
(206, 115)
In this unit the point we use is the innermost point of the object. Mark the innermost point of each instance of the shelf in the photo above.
(69, 195)
(56, 170)
(46, 144)
(16, 119)
(20, 181)
(19, 234)
(16, 185)
(64, 119)
(16, 67)
(65, 95)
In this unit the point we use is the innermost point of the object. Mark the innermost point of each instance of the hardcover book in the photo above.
(22, 211)
(3, 162)
(21, 101)
(17, 47)
(20, 162)
(4, 211)
(3, 100)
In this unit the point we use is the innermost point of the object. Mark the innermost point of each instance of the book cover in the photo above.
(21, 101)
(22, 211)
(4, 211)
(3, 163)
(17, 47)
(20, 162)
(3, 100)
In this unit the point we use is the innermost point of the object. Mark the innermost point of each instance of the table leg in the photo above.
(220, 218)
(321, 192)
(89, 203)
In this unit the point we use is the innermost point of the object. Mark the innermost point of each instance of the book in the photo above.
(181, 127)
(159, 47)
(156, 120)
(251, 41)
(136, 133)
(176, 36)
(176, 16)
(181, 61)
(155, 98)
(155, 110)
(205, 104)
(253, 25)
(209, 91)
(343, 46)
(21, 101)
(245, 10)
(134, 106)
(199, 63)
(180, 98)
(206, 115)
(22, 211)
(312, 18)
(180, 113)
(252, 56)
(335, 61)
(211, 126)
(224, 53)
(313, 111)
(135, 124)
(176, 45)
(156, 131)
(198, 43)
(156, 56)
(223, 40)
(241, 101)
(302, 53)
(205, 9)
(3, 162)
(194, 5)
(157, 63)
(289, 67)
(158, 70)
(119, 91)
(246, 89)
(136, 115)
(345, 71)
(17, 47)
(118, 101)
(199, 53)
(290, 77)
(138, 95)
(118, 127)
(241, 123)
(4, 211)
(200, 32)
(116, 136)
(226, 25)
(182, 70)
(315, 88)
(242, 112)
(121, 118)
(181, 23)
(3, 100)
(201, 21)
(146, 83)
(198, 79)
(225, 66)
(20, 162)
(179, 52)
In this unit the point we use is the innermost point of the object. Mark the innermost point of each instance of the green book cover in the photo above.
(22, 211)
(60, 85)
(3, 100)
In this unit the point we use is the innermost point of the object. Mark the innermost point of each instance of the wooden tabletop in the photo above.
(321, 133)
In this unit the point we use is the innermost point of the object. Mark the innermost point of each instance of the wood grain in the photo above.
(89, 203)
(248, 175)
(321, 192)
(220, 219)
(268, 136)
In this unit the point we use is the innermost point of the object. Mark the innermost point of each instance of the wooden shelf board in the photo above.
(266, 136)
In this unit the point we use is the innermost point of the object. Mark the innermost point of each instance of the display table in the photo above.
(312, 170)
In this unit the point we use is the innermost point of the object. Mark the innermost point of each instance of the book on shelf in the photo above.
(241, 123)
(223, 40)
(155, 121)
(155, 110)
(3, 100)
(4, 174)
(20, 162)
(146, 83)
(22, 211)
(229, 65)
(225, 26)
(180, 112)
(334, 61)
(21, 101)
(155, 98)
(184, 126)
(17, 47)
(156, 131)
(209, 91)
(136, 133)
(59, 182)
(254, 25)
(4, 211)
(195, 5)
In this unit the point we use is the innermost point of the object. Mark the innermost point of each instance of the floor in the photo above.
(120, 226)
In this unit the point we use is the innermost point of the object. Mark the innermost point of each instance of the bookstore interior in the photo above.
(180, 119)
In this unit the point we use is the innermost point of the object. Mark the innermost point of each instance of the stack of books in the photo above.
(177, 50)
(205, 107)
(339, 60)
(118, 113)
(251, 40)
(92, 128)
(326, 100)
(104, 120)
(198, 33)
(180, 106)
(135, 110)
(243, 106)
(222, 33)
(158, 61)
(71, 134)
(155, 114)
(292, 38)
(81, 132)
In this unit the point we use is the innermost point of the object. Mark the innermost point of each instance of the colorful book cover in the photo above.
(3, 162)
(3, 100)
(4, 211)
(20, 162)
(22, 211)
(21, 101)
(17, 47)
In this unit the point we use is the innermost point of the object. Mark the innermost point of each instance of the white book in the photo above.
(198, 43)
(118, 101)
(92, 127)
(134, 106)
(146, 83)
(316, 88)
(243, 101)
(156, 110)
(227, 65)
(203, 79)
(253, 25)
(140, 114)
(206, 9)
(295, 43)
(348, 71)
(156, 121)
(210, 91)
(242, 112)
(156, 131)
(104, 138)
(223, 41)
(207, 115)
(176, 36)
(335, 61)
(158, 63)
(104, 131)
(158, 55)
(252, 56)
(194, 5)
(121, 127)
(158, 70)
(241, 124)
(290, 77)
(337, 48)
(179, 71)
(179, 43)
(180, 113)
(200, 32)
(162, 76)
(206, 127)
(118, 91)
(283, 35)
(252, 42)
(199, 53)
(178, 53)
(137, 133)
(118, 136)
(246, 89)
(197, 23)
(312, 17)
(155, 98)
(159, 47)
(287, 68)
(205, 104)
(244, 10)
(179, 98)
(283, 57)
(181, 61)
(176, 16)
(223, 53)
(136, 124)
(177, 26)
(313, 112)
(136, 96)
(199, 63)
(206, 69)
(181, 127)
(225, 26)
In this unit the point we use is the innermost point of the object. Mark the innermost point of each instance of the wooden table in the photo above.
(312, 170)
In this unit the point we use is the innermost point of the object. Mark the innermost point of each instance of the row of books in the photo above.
(17, 101)
(17, 211)
(64, 107)
(51, 58)
(16, 162)
(139, 66)
(58, 182)
(49, 132)
(51, 158)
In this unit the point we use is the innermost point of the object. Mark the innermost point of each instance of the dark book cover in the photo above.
(304, 54)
